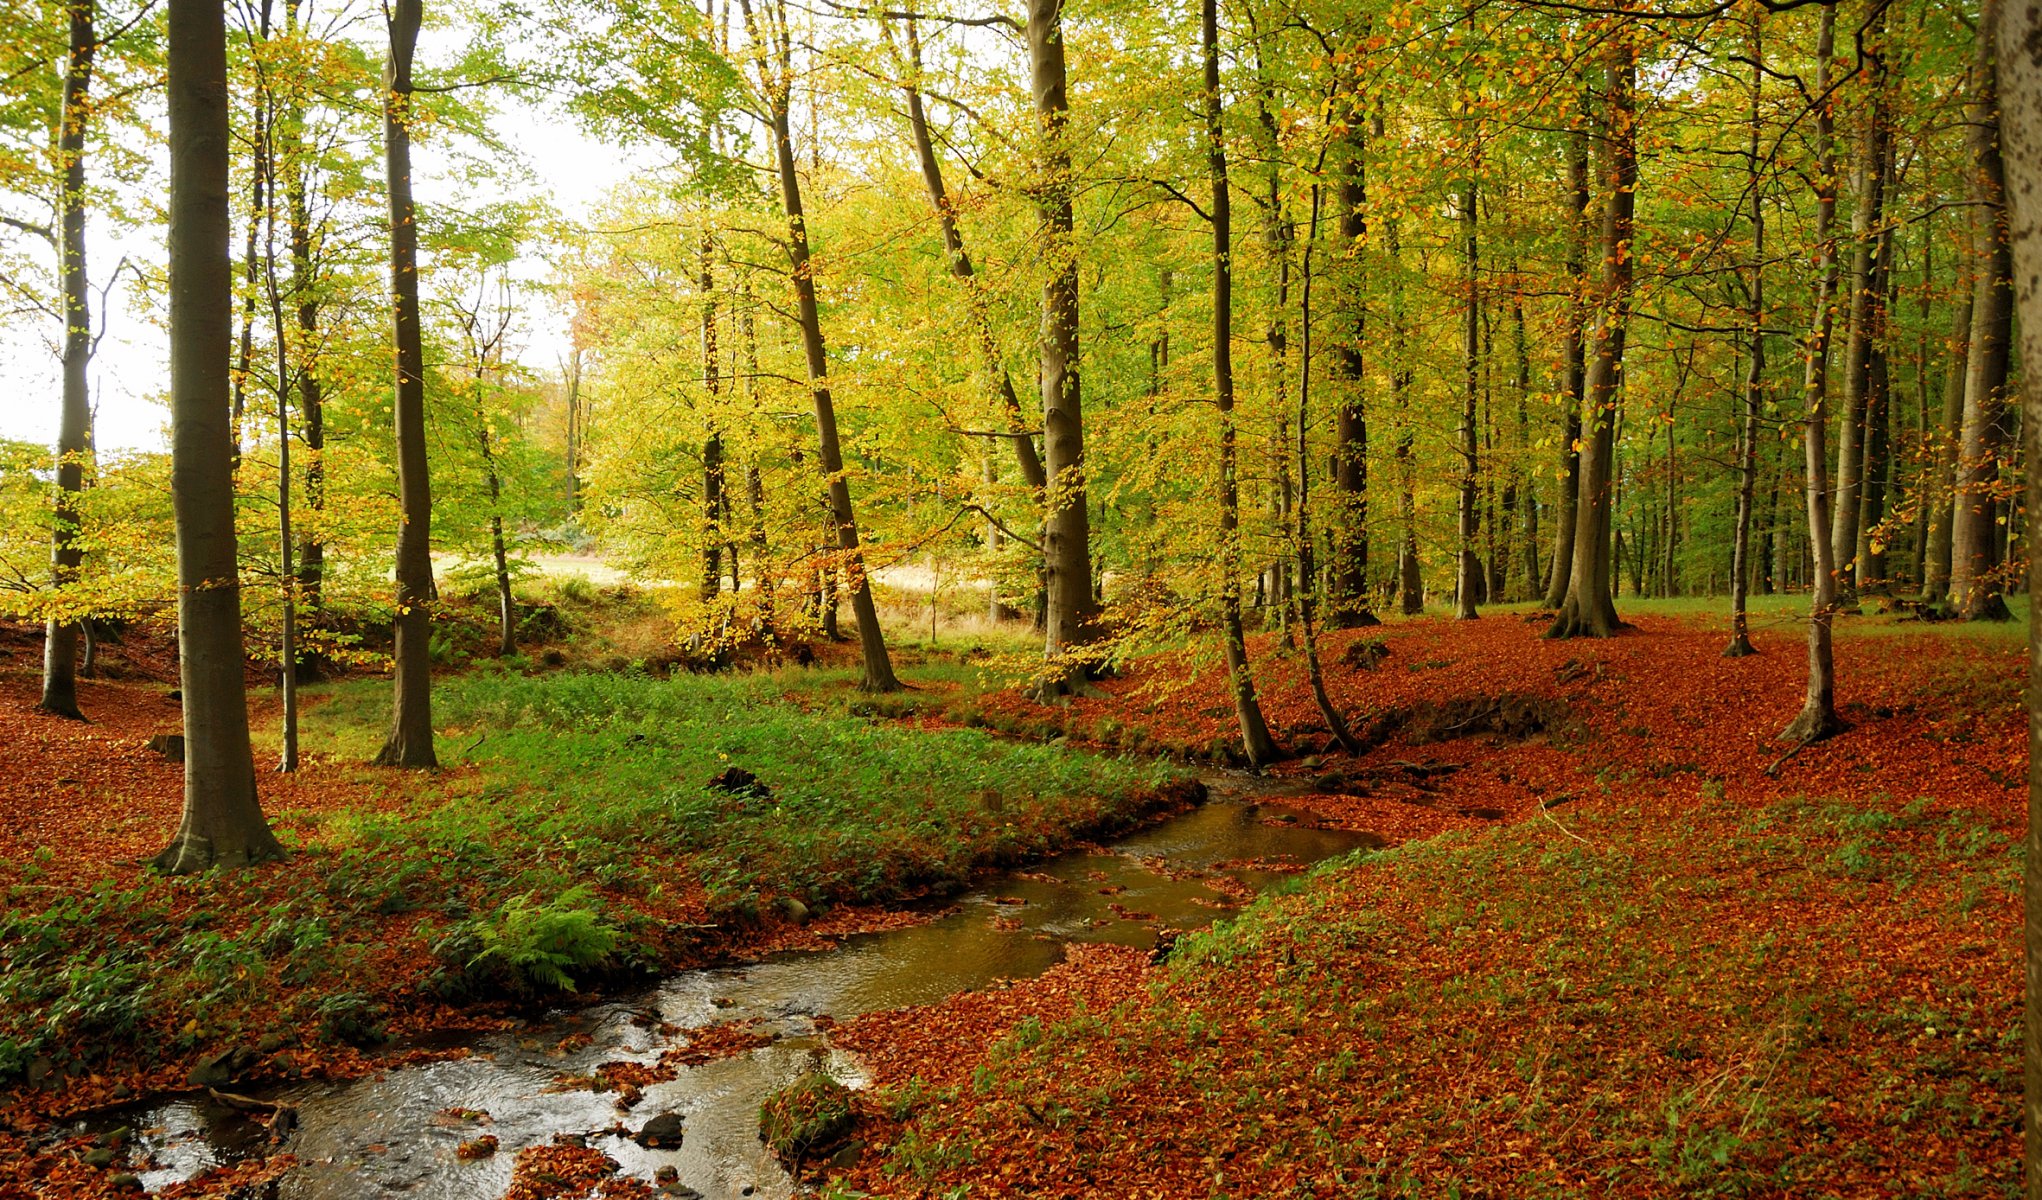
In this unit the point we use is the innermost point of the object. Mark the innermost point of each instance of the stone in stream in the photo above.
(662, 1132)
(794, 910)
(221, 1068)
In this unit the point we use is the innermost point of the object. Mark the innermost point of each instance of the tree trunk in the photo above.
(1948, 437)
(2020, 105)
(1255, 738)
(1301, 513)
(1818, 719)
(1468, 581)
(311, 392)
(1410, 574)
(999, 384)
(712, 446)
(1754, 376)
(777, 66)
(1588, 609)
(1067, 542)
(1349, 573)
(1974, 544)
(1574, 361)
(1534, 582)
(1866, 304)
(60, 638)
(222, 823)
(2019, 29)
(410, 743)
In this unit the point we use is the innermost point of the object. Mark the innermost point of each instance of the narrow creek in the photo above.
(385, 1135)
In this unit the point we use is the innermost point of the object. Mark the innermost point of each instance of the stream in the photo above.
(383, 1135)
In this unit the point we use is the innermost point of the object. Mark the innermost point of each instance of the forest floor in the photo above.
(1628, 946)
(587, 828)
(1623, 944)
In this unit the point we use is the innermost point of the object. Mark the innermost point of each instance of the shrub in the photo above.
(529, 947)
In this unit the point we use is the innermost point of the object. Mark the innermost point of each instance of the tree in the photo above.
(1817, 719)
(223, 823)
(1067, 540)
(773, 50)
(1754, 376)
(74, 433)
(2019, 42)
(1588, 609)
(1574, 360)
(1255, 739)
(1974, 535)
(410, 743)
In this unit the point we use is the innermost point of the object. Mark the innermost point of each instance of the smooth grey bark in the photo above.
(2019, 30)
(222, 824)
(74, 424)
(1948, 435)
(1866, 318)
(410, 742)
(1588, 610)
(1534, 581)
(1072, 616)
(1974, 534)
(1574, 364)
(1754, 376)
(1817, 719)
(776, 68)
(1256, 741)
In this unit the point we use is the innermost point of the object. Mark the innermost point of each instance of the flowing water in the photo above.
(383, 1135)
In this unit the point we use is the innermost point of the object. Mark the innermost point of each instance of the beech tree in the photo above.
(410, 743)
(223, 823)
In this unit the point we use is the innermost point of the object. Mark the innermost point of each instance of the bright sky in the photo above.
(131, 372)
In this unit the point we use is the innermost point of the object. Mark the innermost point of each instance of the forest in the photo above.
(1246, 598)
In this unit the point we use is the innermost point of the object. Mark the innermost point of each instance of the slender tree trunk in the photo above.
(1255, 739)
(311, 391)
(1867, 297)
(1818, 719)
(1410, 574)
(999, 384)
(1949, 436)
(222, 823)
(1301, 532)
(1588, 609)
(1534, 582)
(878, 673)
(1574, 361)
(1468, 581)
(1754, 376)
(2019, 28)
(506, 606)
(755, 484)
(60, 638)
(712, 446)
(1974, 543)
(1067, 543)
(1349, 574)
(410, 743)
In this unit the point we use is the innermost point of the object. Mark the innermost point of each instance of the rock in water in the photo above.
(663, 1132)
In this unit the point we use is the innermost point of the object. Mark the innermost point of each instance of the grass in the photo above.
(1813, 998)
(576, 833)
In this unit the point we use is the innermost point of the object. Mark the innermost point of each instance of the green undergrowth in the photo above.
(576, 835)
(1812, 999)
